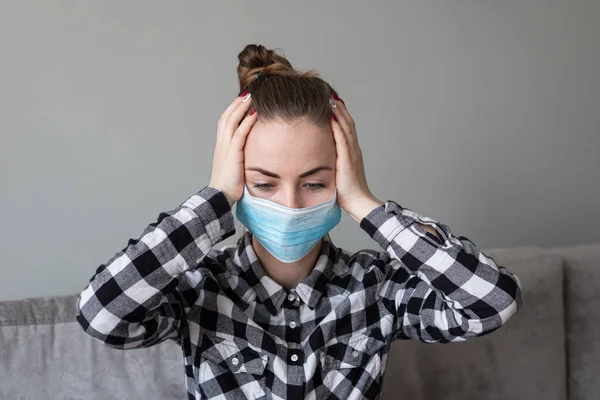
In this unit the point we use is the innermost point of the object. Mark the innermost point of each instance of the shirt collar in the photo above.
(272, 294)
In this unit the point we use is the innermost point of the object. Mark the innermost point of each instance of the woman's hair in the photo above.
(282, 92)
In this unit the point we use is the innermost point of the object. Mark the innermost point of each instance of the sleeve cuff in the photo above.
(213, 209)
(386, 221)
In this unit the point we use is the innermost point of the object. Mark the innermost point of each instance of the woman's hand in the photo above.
(354, 195)
(228, 160)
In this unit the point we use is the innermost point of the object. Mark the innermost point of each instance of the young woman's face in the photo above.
(280, 158)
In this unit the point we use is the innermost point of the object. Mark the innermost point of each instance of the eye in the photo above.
(265, 187)
(315, 186)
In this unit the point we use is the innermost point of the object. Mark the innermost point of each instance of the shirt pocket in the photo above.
(356, 351)
(352, 366)
(237, 369)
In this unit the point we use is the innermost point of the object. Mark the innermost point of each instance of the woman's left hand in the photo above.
(353, 193)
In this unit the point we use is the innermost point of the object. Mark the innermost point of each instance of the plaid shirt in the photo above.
(244, 336)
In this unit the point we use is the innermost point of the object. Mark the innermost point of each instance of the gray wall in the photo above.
(482, 114)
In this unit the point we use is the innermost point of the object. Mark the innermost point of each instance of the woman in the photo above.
(285, 314)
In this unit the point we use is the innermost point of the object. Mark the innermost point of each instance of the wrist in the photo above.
(229, 200)
(360, 208)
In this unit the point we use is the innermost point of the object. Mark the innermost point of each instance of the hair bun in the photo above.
(257, 58)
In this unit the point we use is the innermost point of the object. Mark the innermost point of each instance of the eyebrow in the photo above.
(302, 175)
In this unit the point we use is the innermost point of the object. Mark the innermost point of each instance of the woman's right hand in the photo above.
(228, 160)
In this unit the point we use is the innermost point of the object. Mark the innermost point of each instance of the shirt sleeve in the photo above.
(132, 300)
(442, 290)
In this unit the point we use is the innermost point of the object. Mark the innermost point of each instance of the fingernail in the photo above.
(335, 96)
(247, 97)
(332, 102)
(334, 117)
(243, 93)
(253, 111)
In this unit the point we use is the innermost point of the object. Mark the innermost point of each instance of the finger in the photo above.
(345, 125)
(234, 103)
(228, 111)
(241, 133)
(341, 107)
(236, 116)
(341, 141)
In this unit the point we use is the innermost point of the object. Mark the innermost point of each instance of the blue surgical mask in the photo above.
(287, 233)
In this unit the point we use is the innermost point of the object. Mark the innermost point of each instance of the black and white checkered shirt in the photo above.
(243, 336)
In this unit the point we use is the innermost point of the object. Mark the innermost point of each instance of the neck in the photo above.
(287, 275)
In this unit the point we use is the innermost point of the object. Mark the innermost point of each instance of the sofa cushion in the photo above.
(582, 292)
(524, 359)
(45, 354)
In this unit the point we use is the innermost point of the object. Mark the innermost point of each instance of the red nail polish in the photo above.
(245, 92)
(334, 117)
(335, 96)
(253, 111)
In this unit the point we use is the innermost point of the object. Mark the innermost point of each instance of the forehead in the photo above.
(289, 145)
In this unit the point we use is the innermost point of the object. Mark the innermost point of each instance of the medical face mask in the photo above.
(287, 233)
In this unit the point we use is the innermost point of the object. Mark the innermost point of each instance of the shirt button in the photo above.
(294, 357)
(235, 361)
(355, 354)
(292, 324)
(291, 297)
(222, 231)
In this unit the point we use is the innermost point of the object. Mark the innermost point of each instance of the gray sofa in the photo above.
(549, 350)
